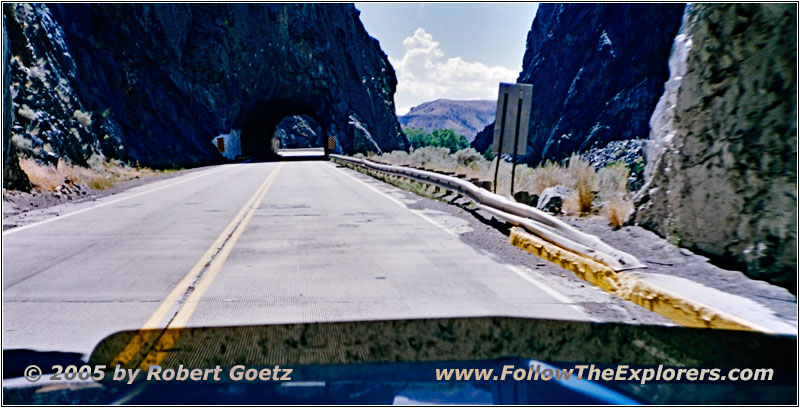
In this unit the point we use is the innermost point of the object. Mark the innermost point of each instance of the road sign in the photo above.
(513, 115)
(511, 125)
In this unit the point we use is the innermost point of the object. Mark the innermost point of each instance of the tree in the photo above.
(450, 139)
(447, 138)
(488, 154)
(417, 137)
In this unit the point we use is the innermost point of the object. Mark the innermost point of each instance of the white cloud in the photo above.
(423, 74)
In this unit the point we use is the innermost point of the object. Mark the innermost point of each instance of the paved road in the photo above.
(247, 244)
(302, 152)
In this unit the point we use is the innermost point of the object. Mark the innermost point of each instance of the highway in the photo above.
(244, 244)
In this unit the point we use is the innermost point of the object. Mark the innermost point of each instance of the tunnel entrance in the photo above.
(279, 128)
(298, 135)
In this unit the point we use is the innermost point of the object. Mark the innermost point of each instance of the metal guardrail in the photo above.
(534, 220)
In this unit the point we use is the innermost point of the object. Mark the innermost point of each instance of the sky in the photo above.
(449, 50)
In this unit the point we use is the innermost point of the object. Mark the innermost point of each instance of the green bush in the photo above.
(466, 157)
(446, 138)
(417, 137)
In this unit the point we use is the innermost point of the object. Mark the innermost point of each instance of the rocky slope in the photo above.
(597, 71)
(721, 174)
(467, 118)
(13, 177)
(297, 132)
(154, 83)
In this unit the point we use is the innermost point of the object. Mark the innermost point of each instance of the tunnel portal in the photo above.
(261, 122)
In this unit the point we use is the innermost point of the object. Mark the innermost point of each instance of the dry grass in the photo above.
(581, 173)
(603, 190)
(99, 176)
(548, 175)
(613, 179)
(44, 177)
(617, 211)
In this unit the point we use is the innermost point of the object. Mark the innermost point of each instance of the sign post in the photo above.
(519, 96)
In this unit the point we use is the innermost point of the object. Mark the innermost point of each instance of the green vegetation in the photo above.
(446, 138)
(488, 154)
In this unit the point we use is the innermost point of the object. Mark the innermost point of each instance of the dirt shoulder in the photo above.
(665, 258)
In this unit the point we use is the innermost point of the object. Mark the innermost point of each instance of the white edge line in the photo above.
(61, 217)
(400, 203)
(545, 288)
(549, 290)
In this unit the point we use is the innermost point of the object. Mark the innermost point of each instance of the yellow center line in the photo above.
(221, 247)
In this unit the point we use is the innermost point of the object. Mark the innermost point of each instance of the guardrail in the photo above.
(534, 220)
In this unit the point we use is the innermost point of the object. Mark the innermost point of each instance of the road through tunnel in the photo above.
(274, 125)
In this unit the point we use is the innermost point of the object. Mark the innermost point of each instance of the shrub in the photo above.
(437, 157)
(488, 154)
(587, 184)
(548, 175)
(617, 210)
(466, 157)
(396, 157)
(41, 175)
(581, 172)
(612, 179)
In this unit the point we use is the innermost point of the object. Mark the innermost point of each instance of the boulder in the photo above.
(552, 199)
(299, 131)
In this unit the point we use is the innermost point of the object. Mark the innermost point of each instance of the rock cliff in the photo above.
(597, 71)
(298, 132)
(721, 175)
(13, 177)
(154, 83)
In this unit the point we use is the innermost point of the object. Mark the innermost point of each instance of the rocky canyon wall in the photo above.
(154, 83)
(721, 176)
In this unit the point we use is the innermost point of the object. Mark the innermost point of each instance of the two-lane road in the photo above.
(247, 244)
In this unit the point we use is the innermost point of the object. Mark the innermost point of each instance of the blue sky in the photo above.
(450, 50)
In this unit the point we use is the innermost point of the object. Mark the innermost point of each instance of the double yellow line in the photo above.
(155, 343)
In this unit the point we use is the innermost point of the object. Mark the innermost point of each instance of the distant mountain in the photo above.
(465, 117)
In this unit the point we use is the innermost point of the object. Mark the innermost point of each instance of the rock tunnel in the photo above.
(259, 122)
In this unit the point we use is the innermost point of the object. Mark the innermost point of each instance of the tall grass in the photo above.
(581, 174)
(593, 191)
